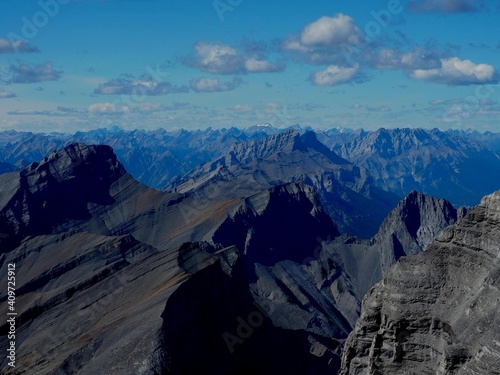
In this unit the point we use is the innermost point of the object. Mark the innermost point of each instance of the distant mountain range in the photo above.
(361, 180)
(453, 165)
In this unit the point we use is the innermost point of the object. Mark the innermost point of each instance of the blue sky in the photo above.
(68, 65)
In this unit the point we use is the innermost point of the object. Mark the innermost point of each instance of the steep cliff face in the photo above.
(437, 312)
(412, 226)
(282, 223)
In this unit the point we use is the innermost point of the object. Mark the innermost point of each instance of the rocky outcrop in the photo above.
(407, 230)
(437, 312)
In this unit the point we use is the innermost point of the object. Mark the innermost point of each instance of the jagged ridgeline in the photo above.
(245, 263)
(456, 165)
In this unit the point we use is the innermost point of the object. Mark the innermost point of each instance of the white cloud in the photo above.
(145, 85)
(24, 73)
(382, 108)
(108, 109)
(328, 40)
(149, 107)
(260, 66)
(454, 71)
(6, 94)
(219, 58)
(7, 46)
(292, 44)
(59, 112)
(214, 84)
(328, 31)
(390, 58)
(334, 75)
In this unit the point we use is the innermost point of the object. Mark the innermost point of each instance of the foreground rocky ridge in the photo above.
(436, 312)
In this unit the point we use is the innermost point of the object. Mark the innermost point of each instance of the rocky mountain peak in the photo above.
(309, 141)
(285, 142)
(59, 188)
(75, 159)
(492, 204)
(262, 148)
(412, 225)
(417, 207)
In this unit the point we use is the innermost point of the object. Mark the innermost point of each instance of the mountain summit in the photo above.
(59, 188)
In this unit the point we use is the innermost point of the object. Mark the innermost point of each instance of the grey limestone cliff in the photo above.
(437, 312)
